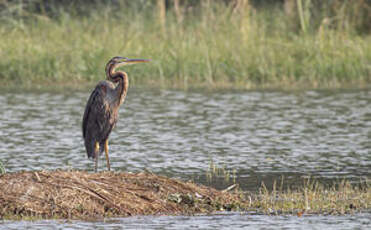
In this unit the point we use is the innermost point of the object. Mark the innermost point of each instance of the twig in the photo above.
(229, 188)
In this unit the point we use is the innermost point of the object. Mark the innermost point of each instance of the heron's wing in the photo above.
(96, 115)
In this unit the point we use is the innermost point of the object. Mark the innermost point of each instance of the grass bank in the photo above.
(83, 195)
(213, 47)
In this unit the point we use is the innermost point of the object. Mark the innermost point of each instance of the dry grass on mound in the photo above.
(83, 195)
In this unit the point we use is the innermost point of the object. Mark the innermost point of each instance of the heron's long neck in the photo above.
(122, 81)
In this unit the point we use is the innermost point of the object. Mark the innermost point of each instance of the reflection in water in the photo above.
(262, 135)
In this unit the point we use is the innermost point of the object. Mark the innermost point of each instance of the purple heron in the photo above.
(101, 111)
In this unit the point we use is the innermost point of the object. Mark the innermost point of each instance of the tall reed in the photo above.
(214, 46)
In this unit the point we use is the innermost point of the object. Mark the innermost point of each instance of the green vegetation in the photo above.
(2, 168)
(214, 172)
(212, 45)
(312, 198)
(307, 197)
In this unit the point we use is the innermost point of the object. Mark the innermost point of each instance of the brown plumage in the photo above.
(101, 111)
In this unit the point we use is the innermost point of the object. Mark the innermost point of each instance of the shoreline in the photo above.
(90, 85)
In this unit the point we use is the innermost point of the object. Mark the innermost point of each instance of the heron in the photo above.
(102, 108)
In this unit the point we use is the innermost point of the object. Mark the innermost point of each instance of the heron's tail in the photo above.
(92, 147)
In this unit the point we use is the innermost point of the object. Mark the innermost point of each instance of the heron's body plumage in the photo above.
(100, 117)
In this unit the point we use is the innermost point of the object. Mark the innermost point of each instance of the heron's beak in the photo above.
(134, 61)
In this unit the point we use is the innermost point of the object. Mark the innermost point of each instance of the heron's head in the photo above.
(118, 61)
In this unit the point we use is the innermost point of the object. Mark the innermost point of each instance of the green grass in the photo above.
(307, 197)
(312, 198)
(212, 48)
(2, 168)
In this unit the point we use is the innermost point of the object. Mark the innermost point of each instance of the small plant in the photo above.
(216, 171)
(2, 168)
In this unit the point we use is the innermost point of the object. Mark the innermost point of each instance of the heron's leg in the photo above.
(106, 151)
(96, 152)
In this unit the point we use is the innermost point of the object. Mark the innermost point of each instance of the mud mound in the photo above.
(83, 195)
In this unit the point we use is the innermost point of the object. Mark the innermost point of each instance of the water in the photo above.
(261, 135)
(220, 221)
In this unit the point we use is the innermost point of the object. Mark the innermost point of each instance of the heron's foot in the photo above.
(107, 157)
(96, 152)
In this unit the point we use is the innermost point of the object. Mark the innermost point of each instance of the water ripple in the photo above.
(322, 133)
